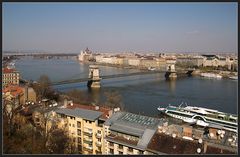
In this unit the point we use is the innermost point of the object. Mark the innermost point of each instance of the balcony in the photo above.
(98, 135)
(88, 149)
(98, 143)
(87, 140)
(87, 133)
(98, 153)
(88, 130)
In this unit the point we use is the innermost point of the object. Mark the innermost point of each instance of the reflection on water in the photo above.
(95, 94)
(172, 85)
(140, 94)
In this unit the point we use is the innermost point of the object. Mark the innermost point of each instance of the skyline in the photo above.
(118, 27)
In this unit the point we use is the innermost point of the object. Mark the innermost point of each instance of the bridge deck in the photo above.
(113, 76)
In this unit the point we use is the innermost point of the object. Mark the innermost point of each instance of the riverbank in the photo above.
(116, 65)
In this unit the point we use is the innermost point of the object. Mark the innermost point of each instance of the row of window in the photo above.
(129, 150)
(73, 125)
(11, 81)
(11, 74)
(10, 78)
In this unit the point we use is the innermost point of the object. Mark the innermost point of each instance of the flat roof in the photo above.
(82, 113)
(131, 124)
(105, 110)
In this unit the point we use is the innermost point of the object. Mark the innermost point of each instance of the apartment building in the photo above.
(10, 76)
(85, 127)
(127, 133)
(215, 61)
(190, 61)
(134, 61)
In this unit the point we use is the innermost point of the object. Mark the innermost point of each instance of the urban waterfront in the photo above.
(140, 94)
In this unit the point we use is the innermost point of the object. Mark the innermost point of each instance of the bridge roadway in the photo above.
(115, 76)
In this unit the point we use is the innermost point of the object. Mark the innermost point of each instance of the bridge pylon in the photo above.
(171, 73)
(94, 77)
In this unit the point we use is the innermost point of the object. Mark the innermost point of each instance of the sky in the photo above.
(120, 27)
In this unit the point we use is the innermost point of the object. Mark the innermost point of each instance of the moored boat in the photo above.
(211, 75)
(234, 77)
(202, 116)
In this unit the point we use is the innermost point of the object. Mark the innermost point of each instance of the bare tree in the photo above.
(113, 99)
(43, 88)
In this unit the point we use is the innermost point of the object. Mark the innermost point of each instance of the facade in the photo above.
(146, 63)
(118, 60)
(85, 55)
(190, 61)
(134, 61)
(217, 61)
(161, 63)
(10, 76)
(29, 94)
(128, 134)
(85, 127)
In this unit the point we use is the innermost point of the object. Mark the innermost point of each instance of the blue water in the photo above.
(140, 94)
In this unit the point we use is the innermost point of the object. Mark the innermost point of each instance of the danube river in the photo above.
(140, 94)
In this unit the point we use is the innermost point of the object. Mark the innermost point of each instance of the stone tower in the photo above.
(94, 77)
(171, 72)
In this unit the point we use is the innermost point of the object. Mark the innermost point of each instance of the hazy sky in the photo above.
(165, 27)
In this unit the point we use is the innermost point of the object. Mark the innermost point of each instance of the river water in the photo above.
(140, 94)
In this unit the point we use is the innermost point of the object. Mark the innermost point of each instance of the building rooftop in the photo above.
(104, 110)
(131, 124)
(165, 144)
(217, 150)
(82, 113)
(7, 70)
(14, 90)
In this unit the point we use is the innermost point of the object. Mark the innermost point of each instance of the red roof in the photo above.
(7, 70)
(105, 110)
(14, 90)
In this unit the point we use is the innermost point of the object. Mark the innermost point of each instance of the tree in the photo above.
(113, 99)
(78, 96)
(58, 141)
(44, 90)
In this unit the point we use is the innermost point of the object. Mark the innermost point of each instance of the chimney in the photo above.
(65, 103)
(96, 107)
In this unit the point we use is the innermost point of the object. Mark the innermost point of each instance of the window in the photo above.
(79, 132)
(111, 151)
(120, 146)
(140, 152)
(79, 140)
(110, 144)
(99, 132)
(69, 124)
(79, 124)
(73, 125)
(130, 149)
(120, 152)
